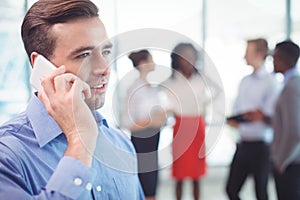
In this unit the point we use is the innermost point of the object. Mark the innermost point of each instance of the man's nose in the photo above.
(101, 66)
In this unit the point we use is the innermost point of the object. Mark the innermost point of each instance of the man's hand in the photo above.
(233, 123)
(255, 115)
(63, 95)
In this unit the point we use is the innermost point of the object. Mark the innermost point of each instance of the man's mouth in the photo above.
(98, 89)
(100, 86)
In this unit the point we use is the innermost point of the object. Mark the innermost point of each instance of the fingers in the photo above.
(232, 123)
(80, 87)
(60, 82)
(60, 85)
(43, 97)
(47, 81)
(63, 83)
(70, 83)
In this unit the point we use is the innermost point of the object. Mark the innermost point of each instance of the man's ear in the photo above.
(33, 56)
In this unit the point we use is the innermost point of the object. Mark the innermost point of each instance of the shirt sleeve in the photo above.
(236, 105)
(69, 180)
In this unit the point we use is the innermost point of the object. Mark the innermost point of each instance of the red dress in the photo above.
(188, 148)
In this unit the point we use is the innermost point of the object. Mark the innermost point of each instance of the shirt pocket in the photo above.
(124, 188)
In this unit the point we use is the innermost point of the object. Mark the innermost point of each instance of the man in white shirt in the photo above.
(257, 94)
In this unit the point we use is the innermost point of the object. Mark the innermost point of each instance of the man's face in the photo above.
(77, 48)
(251, 55)
(278, 62)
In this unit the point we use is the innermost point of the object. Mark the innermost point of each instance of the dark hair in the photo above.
(261, 45)
(137, 57)
(176, 55)
(39, 19)
(289, 50)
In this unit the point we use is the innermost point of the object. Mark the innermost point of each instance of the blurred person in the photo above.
(48, 151)
(256, 97)
(285, 149)
(144, 117)
(186, 91)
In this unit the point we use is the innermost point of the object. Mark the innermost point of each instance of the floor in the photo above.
(212, 186)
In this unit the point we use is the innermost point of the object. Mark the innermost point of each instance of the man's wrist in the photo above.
(80, 151)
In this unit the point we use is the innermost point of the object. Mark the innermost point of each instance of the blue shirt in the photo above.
(33, 165)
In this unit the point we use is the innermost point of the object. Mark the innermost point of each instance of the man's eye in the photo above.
(106, 52)
(83, 55)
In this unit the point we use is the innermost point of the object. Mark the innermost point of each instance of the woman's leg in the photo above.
(196, 189)
(178, 189)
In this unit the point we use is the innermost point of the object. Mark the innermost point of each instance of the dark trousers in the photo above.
(251, 158)
(145, 143)
(288, 183)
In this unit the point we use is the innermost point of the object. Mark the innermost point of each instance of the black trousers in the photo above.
(288, 183)
(145, 143)
(250, 158)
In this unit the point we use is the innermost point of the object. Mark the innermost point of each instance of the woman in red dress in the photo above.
(186, 90)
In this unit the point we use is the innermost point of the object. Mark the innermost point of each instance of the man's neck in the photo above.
(256, 69)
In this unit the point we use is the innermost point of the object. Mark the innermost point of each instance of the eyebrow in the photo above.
(81, 49)
(108, 45)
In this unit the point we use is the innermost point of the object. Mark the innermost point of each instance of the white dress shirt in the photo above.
(187, 96)
(142, 99)
(256, 91)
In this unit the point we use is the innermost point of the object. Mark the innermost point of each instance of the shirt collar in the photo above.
(261, 72)
(289, 73)
(44, 126)
(100, 119)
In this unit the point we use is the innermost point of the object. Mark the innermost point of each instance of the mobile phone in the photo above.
(41, 67)
(238, 118)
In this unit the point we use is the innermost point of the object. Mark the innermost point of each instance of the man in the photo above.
(285, 149)
(256, 95)
(60, 147)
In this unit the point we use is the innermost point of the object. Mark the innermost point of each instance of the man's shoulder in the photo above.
(265, 79)
(293, 84)
(12, 131)
(14, 125)
(270, 77)
(11, 146)
(294, 80)
(246, 78)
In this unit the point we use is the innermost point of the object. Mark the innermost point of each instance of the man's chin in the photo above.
(95, 104)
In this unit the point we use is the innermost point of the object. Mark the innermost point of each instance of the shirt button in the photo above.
(99, 188)
(77, 181)
(88, 186)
